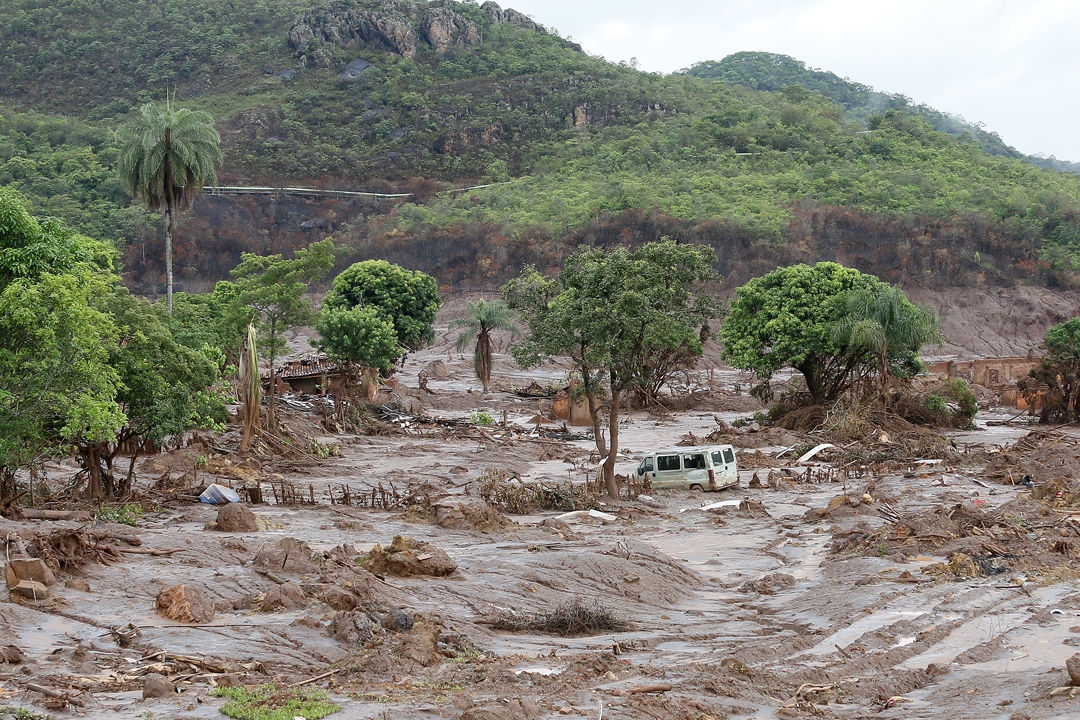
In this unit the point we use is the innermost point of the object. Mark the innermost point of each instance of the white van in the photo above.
(711, 467)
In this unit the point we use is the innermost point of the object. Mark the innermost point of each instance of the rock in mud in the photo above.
(236, 518)
(1073, 666)
(185, 603)
(30, 590)
(288, 596)
(395, 620)
(156, 686)
(32, 569)
(769, 584)
(338, 598)
(470, 514)
(421, 644)
(78, 584)
(406, 557)
(351, 628)
(12, 655)
(289, 555)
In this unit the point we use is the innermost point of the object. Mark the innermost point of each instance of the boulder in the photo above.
(407, 556)
(443, 29)
(338, 598)
(32, 569)
(185, 603)
(287, 596)
(288, 555)
(156, 686)
(1073, 666)
(235, 517)
(354, 68)
(78, 584)
(30, 590)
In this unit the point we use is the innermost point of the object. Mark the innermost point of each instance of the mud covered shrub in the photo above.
(572, 618)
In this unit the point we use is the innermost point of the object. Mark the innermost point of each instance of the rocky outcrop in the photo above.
(443, 29)
(341, 23)
(401, 26)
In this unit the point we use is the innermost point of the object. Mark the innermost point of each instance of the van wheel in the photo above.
(697, 487)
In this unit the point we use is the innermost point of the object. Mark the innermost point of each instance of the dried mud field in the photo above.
(912, 589)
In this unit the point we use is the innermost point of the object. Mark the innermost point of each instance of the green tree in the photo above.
(612, 312)
(168, 155)
(358, 338)
(269, 293)
(56, 384)
(1057, 376)
(883, 324)
(787, 318)
(408, 299)
(165, 389)
(481, 319)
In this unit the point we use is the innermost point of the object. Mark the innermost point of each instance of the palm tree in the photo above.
(166, 158)
(481, 319)
(885, 324)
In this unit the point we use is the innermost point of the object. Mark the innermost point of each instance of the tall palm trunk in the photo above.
(168, 256)
(482, 358)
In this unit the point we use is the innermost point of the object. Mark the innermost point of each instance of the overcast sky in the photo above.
(1010, 64)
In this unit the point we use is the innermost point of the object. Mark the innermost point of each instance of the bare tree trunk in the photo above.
(250, 388)
(168, 256)
(594, 415)
(613, 449)
(482, 359)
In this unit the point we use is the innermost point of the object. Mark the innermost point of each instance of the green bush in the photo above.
(273, 702)
(482, 419)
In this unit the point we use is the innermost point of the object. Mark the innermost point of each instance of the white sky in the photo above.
(1011, 64)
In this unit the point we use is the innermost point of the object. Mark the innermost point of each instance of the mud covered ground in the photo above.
(914, 590)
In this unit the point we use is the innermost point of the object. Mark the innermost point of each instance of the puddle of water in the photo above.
(53, 631)
(540, 670)
(860, 627)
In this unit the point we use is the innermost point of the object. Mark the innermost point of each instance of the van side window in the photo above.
(717, 458)
(729, 456)
(667, 462)
(693, 462)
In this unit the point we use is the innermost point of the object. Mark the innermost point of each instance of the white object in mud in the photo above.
(813, 452)
(577, 514)
(218, 495)
(713, 506)
(709, 467)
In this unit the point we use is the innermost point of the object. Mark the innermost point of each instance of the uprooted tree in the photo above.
(1057, 377)
(834, 325)
(614, 312)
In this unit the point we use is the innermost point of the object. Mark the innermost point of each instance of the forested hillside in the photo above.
(756, 155)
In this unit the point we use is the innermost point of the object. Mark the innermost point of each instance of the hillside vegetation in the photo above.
(755, 155)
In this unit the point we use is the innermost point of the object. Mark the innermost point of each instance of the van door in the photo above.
(668, 472)
(725, 468)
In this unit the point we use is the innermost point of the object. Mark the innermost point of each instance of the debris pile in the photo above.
(1021, 536)
(573, 618)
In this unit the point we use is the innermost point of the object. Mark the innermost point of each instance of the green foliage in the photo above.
(618, 313)
(1057, 376)
(273, 702)
(30, 247)
(882, 323)
(482, 419)
(124, 514)
(936, 405)
(407, 299)
(56, 384)
(787, 319)
(358, 336)
(268, 291)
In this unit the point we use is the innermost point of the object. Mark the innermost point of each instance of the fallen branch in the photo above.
(148, 551)
(49, 692)
(31, 514)
(658, 688)
(326, 674)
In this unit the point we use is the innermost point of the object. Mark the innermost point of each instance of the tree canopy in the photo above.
(1057, 375)
(407, 299)
(614, 312)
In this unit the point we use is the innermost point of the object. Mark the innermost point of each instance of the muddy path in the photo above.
(806, 598)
